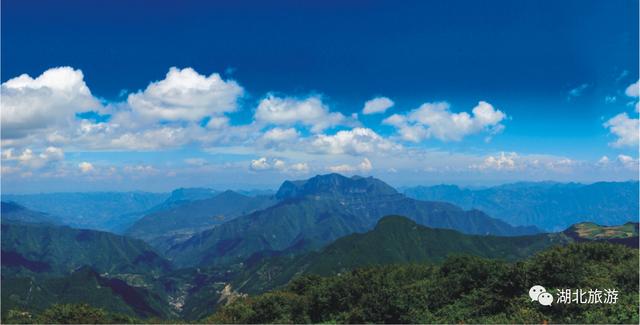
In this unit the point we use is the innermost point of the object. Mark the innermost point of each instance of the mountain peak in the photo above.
(191, 194)
(334, 185)
(229, 194)
(395, 221)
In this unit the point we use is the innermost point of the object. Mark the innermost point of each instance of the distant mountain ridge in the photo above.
(334, 185)
(12, 212)
(548, 205)
(170, 225)
(90, 210)
(316, 211)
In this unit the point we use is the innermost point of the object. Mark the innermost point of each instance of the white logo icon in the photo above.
(539, 293)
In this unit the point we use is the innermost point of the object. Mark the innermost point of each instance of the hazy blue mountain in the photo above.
(91, 210)
(257, 192)
(14, 213)
(394, 240)
(36, 293)
(169, 226)
(60, 249)
(180, 196)
(317, 211)
(190, 194)
(548, 205)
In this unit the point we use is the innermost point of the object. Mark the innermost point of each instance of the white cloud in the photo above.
(152, 139)
(633, 90)
(365, 166)
(300, 167)
(343, 168)
(625, 128)
(310, 112)
(354, 142)
(628, 162)
(377, 105)
(184, 94)
(50, 100)
(278, 135)
(85, 167)
(260, 164)
(216, 123)
(31, 160)
(503, 161)
(603, 161)
(275, 164)
(436, 120)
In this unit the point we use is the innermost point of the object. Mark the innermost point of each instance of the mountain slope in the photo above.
(315, 212)
(85, 285)
(59, 250)
(394, 240)
(461, 290)
(551, 206)
(626, 234)
(120, 224)
(14, 213)
(166, 227)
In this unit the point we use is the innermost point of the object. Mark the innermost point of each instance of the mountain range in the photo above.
(92, 210)
(195, 251)
(314, 212)
(550, 206)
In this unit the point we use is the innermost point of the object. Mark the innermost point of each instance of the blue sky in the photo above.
(482, 92)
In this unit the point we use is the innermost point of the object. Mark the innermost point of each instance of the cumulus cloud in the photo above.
(310, 112)
(85, 167)
(364, 166)
(436, 120)
(603, 161)
(300, 167)
(218, 123)
(275, 164)
(625, 129)
(377, 105)
(628, 162)
(49, 100)
(354, 142)
(633, 90)
(503, 161)
(278, 136)
(30, 160)
(184, 94)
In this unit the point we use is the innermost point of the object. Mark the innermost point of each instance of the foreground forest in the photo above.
(463, 289)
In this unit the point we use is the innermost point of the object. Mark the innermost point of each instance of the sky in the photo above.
(124, 95)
